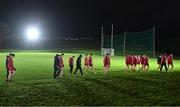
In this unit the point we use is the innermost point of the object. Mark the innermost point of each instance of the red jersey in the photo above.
(61, 64)
(71, 61)
(163, 59)
(130, 59)
(146, 60)
(90, 60)
(142, 60)
(138, 59)
(106, 61)
(134, 61)
(169, 59)
(86, 61)
(10, 64)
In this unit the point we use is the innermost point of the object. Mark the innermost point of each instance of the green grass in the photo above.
(33, 84)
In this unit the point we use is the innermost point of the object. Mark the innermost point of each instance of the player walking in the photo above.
(7, 67)
(86, 62)
(107, 63)
(138, 59)
(134, 62)
(159, 62)
(142, 62)
(170, 62)
(146, 63)
(91, 67)
(10, 66)
(163, 62)
(71, 64)
(131, 61)
(61, 64)
(127, 62)
(56, 66)
(78, 65)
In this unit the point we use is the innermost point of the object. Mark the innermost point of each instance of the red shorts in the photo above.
(11, 71)
(61, 66)
(106, 65)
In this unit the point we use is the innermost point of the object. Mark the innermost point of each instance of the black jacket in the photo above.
(56, 61)
(78, 61)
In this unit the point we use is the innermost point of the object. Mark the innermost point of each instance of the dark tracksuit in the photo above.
(159, 60)
(7, 66)
(78, 65)
(56, 66)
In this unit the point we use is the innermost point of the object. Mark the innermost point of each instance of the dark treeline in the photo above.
(12, 40)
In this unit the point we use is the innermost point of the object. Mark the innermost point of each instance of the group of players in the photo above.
(140, 61)
(163, 60)
(88, 64)
(131, 61)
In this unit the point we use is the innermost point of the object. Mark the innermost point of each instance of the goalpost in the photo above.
(142, 42)
(105, 50)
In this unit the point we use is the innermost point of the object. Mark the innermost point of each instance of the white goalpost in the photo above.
(104, 51)
(142, 42)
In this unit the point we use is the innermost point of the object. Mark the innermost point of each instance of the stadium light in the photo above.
(32, 33)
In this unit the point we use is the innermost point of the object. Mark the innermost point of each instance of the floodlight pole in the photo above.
(124, 43)
(154, 42)
(112, 37)
(102, 37)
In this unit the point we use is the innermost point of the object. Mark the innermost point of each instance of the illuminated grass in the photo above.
(33, 83)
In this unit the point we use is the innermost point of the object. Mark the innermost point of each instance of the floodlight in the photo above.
(32, 33)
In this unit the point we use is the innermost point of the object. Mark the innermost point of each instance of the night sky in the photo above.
(69, 17)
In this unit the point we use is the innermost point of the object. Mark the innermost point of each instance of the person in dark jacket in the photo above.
(7, 67)
(159, 62)
(78, 65)
(56, 66)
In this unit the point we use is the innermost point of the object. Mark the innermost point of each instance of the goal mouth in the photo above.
(105, 51)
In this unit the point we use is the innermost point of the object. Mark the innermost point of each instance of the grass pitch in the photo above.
(33, 83)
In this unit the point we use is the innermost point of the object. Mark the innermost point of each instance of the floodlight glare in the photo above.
(32, 33)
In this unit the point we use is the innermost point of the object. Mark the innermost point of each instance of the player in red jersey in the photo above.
(134, 62)
(138, 59)
(10, 66)
(142, 62)
(86, 62)
(107, 63)
(90, 63)
(127, 62)
(163, 62)
(130, 60)
(146, 63)
(61, 58)
(170, 62)
(71, 64)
